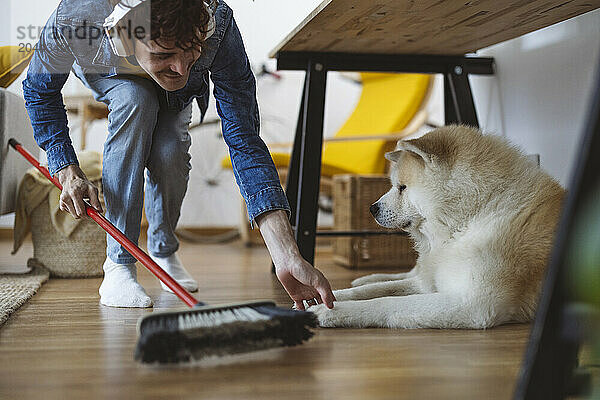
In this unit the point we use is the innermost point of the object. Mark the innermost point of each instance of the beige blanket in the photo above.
(35, 188)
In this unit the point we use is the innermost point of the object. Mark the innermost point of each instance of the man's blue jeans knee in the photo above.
(147, 142)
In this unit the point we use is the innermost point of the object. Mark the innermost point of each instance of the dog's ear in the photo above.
(405, 145)
(393, 156)
(436, 146)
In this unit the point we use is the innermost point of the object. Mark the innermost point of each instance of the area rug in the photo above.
(16, 289)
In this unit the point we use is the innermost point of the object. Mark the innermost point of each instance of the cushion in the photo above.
(387, 104)
(13, 61)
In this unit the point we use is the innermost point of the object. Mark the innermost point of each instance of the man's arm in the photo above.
(47, 73)
(46, 76)
(255, 173)
(300, 279)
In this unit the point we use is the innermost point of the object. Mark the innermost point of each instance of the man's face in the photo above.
(168, 65)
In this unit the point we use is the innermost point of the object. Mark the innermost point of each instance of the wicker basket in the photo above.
(352, 197)
(81, 255)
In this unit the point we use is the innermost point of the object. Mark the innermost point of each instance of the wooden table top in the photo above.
(448, 27)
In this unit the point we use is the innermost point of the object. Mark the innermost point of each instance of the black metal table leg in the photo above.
(459, 106)
(291, 185)
(310, 158)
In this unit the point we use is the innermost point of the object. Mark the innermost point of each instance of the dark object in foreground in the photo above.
(180, 336)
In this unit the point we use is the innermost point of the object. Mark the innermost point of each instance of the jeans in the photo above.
(147, 143)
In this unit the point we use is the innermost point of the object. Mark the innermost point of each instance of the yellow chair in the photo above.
(13, 61)
(391, 106)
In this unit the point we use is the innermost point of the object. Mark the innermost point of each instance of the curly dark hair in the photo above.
(184, 22)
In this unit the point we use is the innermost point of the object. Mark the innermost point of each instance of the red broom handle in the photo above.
(138, 253)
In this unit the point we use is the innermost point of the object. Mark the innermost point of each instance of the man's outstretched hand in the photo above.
(302, 281)
(76, 188)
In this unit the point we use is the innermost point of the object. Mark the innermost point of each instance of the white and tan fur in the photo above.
(482, 217)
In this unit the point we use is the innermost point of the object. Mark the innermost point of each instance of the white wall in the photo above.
(537, 98)
(540, 93)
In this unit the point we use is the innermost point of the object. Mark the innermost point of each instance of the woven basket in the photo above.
(81, 255)
(352, 197)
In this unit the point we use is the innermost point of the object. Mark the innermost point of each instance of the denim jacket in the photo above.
(74, 34)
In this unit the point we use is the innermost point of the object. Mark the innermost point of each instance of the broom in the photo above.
(186, 335)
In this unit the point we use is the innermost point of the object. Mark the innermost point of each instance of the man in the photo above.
(176, 44)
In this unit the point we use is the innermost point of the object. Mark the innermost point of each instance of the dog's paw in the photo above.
(344, 314)
(325, 316)
(343, 294)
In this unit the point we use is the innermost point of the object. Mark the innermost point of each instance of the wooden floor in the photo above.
(63, 344)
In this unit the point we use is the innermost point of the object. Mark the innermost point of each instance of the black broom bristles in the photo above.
(190, 335)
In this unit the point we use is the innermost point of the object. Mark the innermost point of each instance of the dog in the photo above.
(482, 217)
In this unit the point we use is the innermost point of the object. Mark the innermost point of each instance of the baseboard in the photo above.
(256, 238)
(209, 230)
(7, 233)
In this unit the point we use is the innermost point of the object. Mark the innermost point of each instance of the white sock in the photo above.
(120, 287)
(173, 266)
